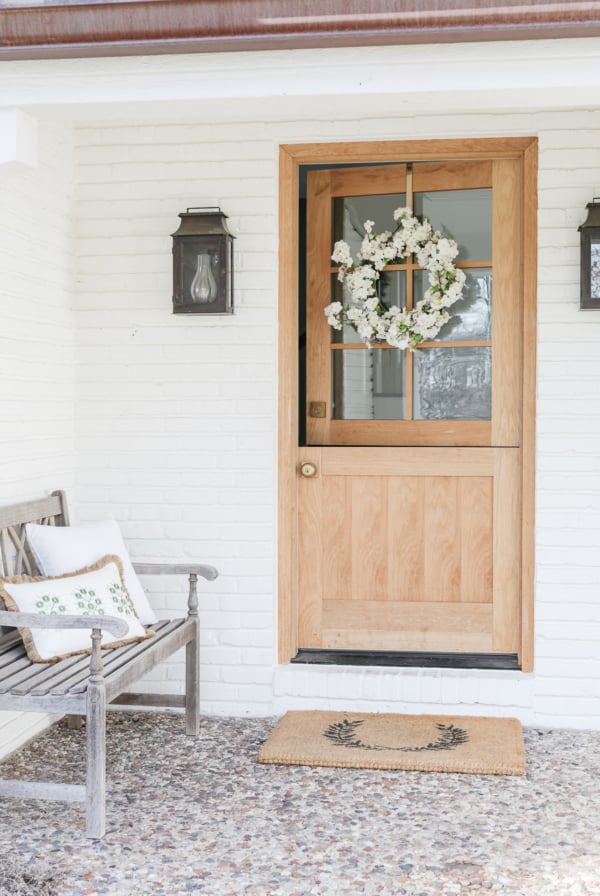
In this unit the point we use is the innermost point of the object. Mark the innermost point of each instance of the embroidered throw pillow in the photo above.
(62, 549)
(98, 590)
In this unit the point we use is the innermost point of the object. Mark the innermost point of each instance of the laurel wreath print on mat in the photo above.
(344, 734)
(367, 312)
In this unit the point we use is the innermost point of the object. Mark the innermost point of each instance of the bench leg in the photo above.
(95, 802)
(192, 686)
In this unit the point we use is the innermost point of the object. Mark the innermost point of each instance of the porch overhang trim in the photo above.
(82, 28)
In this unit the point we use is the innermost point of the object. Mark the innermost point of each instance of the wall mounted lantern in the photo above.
(590, 257)
(202, 263)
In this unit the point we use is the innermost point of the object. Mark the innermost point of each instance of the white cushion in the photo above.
(63, 549)
(97, 591)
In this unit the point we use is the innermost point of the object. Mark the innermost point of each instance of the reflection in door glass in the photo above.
(453, 384)
(351, 212)
(368, 384)
(471, 316)
(462, 215)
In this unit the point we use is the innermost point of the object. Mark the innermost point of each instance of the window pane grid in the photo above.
(410, 387)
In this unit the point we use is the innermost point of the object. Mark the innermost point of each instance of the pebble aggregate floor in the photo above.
(201, 816)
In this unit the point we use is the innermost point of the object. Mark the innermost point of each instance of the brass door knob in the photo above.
(308, 470)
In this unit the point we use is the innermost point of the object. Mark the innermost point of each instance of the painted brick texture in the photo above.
(37, 339)
(176, 426)
(174, 419)
(177, 419)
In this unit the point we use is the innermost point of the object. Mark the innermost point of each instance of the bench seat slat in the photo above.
(20, 668)
(31, 674)
(74, 670)
(51, 682)
(115, 659)
(14, 655)
(70, 676)
(8, 641)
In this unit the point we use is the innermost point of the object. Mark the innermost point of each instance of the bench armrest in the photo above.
(187, 569)
(112, 624)
(193, 570)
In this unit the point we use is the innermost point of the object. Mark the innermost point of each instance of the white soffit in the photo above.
(517, 75)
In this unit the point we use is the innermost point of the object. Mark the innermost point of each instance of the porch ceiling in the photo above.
(360, 82)
(75, 28)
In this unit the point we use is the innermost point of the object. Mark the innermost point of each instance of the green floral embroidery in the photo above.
(49, 604)
(120, 599)
(87, 600)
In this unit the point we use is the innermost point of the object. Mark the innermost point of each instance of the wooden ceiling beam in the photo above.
(79, 28)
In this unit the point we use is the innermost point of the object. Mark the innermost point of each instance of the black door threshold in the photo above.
(425, 660)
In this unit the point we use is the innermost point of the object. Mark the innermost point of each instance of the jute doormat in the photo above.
(478, 746)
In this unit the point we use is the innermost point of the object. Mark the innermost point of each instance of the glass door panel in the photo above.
(351, 212)
(453, 384)
(368, 384)
(461, 215)
(382, 395)
(471, 316)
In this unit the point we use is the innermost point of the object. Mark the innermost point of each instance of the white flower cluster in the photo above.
(397, 326)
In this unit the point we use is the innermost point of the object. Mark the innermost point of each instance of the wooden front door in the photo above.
(409, 529)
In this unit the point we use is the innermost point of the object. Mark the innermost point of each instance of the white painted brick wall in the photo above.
(177, 420)
(176, 417)
(176, 414)
(37, 337)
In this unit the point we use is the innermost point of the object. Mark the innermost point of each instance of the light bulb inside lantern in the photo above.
(204, 286)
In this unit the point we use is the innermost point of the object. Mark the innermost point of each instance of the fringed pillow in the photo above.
(62, 549)
(97, 590)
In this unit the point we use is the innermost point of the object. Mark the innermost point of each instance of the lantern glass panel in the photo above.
(595, 268)
(202, 274)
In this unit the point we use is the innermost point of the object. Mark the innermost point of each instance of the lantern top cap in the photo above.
(593, 216)
(203, 220)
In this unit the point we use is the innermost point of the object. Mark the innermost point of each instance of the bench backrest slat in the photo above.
(15, 557)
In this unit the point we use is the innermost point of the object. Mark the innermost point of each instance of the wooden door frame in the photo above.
(291, 157)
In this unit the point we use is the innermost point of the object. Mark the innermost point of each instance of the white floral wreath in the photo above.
(374, 322)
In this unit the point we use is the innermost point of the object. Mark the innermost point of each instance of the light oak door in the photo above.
(409, 534)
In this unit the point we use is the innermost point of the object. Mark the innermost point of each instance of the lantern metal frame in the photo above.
(203, 263)
(590, 257)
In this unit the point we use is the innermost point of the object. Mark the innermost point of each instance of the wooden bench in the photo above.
(88, 685)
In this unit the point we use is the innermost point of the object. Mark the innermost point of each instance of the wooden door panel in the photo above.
(369, 530)
(309, 560)
(477, 538)
(506, 329)
(507, 549)
(336, 545)
(475, 175)
(410, 432)
(410, 626)
(368, 180)
(403, 461)
(405, 538)
(419, 556)
(442, 539)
